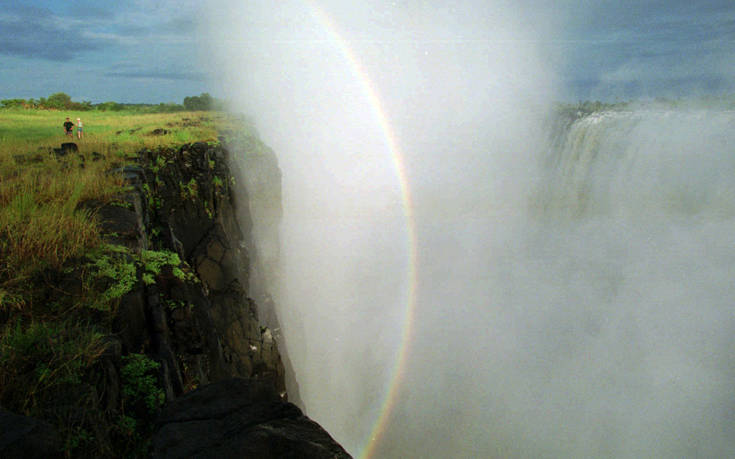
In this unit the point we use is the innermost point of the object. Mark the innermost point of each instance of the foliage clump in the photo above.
(113, 264)
(140, 387)
(38, 359)
(154, 261)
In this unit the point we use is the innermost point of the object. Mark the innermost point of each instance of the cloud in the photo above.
(42, 33)
(38, 33)
(160, 75)
(635, 50)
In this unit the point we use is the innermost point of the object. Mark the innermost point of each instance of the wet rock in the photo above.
(130, 323)
(132, 174)
(239, 418)
(25, 437)
(66, 148)
(160, 131)
(129, 131)
(69, 147)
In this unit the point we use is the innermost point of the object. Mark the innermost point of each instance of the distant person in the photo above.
(80, 134)
(68, 126)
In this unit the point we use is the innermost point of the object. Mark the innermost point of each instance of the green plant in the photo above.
(38, 357)
(139, 384)
(113, 265)
(208, 209)
(10, 300)
(154, 261)
(77, 438)
(189, 190)
(177, 304)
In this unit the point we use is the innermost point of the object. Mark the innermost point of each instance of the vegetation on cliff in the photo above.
(63, 274)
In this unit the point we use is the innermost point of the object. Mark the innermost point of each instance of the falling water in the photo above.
(600, 323)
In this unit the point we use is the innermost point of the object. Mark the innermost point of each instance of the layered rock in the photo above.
(213, 331)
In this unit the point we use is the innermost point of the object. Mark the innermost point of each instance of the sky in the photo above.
(156, 51)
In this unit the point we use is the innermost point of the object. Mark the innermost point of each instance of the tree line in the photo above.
(62, 101)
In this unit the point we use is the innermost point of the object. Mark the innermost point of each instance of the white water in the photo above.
(573, 301)
(597, 321)
(600, 323)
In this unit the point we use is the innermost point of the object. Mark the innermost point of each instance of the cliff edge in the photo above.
(185, 367)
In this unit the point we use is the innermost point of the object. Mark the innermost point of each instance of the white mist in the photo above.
(570, 303)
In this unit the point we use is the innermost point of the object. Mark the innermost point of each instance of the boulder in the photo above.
(25, 437)
(239, 418)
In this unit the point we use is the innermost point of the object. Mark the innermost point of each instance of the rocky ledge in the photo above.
(239, 418)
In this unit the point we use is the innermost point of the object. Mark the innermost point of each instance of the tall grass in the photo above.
(42, 224)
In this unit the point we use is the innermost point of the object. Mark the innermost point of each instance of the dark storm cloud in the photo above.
(60, 34)
(40, 33)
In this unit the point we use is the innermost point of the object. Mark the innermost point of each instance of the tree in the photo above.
(8, 103)
(201, 102)
(58, 100)
(111, 106)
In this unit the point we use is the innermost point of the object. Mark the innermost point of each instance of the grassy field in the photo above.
(40, 224)
(22, 131)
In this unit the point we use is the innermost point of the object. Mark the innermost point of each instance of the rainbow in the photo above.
(379, 112)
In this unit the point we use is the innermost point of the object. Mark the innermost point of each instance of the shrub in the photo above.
(140, 388)
(39, 357)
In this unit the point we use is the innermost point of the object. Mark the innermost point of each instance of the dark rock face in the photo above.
(24, 437)
(260, 181)
(239, 418)
(217, 334)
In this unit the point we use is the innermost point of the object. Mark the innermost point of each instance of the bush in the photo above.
(109, 106)
(141, 392)
(13, 103)
(202, 102)
(37, 358)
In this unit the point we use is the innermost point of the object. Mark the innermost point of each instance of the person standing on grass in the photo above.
(68, 126)
(79, 128)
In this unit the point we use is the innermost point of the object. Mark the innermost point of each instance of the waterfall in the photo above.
(646, 162)
(596, 323)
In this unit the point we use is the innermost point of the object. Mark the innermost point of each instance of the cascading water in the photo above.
(647, 161)
(597, 322)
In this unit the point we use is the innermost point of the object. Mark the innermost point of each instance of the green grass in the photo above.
(22, 130)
